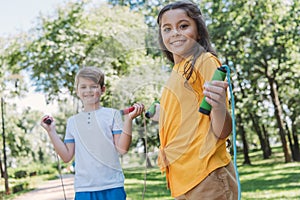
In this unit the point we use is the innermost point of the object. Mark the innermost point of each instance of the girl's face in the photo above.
(179, 33)
(89, 92)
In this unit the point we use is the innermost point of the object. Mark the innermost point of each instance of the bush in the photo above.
(20, 174)
(46, 170)
(20, 187)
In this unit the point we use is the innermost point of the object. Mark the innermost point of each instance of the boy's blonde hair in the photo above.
(92, 73)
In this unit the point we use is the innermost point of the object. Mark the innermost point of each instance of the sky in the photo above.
(19, 16)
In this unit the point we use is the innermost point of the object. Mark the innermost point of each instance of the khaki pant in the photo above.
(219, 185)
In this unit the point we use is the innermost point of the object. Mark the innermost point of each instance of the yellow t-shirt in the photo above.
(189, 150)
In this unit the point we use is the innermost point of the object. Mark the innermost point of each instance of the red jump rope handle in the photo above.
(47, 121)
(127, 110)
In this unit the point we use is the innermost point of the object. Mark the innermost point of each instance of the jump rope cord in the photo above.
(60, 175)
(233, 132)
(146, 155)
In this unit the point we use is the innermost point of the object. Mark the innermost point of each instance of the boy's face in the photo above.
(89, 92)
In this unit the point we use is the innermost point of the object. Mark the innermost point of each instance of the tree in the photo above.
(112, 39)
(258, 39)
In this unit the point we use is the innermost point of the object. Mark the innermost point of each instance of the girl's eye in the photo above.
(166, 30)
(183, 26)
(94, 86)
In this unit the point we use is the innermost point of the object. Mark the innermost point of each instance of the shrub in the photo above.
(20, 174)
(20, 187)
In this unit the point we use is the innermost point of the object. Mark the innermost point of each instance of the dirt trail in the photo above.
(51, 190)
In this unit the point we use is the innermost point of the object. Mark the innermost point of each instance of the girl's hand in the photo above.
(138, 109)
(215, 94)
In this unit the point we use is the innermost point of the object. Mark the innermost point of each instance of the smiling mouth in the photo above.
(177, 42)
(89, 96)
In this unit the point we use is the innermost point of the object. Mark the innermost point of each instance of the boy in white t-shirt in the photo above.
(96, 136)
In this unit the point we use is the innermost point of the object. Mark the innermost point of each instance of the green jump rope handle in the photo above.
(152, 109)
(219, 75)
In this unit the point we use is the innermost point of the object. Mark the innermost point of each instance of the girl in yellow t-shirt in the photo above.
(193, 146)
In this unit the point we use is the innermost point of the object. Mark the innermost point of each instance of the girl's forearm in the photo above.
(221, 123)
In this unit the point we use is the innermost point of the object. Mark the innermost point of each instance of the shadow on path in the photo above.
(52, 190)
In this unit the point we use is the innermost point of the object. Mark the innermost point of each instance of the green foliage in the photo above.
(20, 187)
(20, 174)
(258, 40)
(56, 50)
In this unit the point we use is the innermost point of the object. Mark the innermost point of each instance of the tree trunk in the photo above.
(290, 141)
(1, 168)
(296, 143)
(266, 136)
(5, 175)
(242, 130)
(278, 114)
(262, 139)
(244, 140)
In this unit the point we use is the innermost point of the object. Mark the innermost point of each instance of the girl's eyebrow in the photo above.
(180, 21)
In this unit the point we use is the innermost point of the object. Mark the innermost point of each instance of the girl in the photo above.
(95, 136)
(193, 146)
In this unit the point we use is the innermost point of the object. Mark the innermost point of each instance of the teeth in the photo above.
(177, 42)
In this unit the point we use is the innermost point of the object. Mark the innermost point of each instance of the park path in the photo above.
(52, 190)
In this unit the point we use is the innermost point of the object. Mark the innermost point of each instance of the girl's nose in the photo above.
(175, 32)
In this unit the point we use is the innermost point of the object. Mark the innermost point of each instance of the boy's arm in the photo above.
(122, 141)
(65, 151)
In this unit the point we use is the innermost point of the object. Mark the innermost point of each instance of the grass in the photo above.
(271, 179)
(152, 187)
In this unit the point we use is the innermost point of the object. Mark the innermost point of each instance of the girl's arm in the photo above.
(215, 93)
(65, 151)
(122, 141)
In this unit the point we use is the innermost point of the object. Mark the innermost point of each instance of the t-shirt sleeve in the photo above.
(206, 66)
(117, 125)
(69, 137)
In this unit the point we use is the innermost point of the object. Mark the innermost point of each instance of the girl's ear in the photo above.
(103, 88)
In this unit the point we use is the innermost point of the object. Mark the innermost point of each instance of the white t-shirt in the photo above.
(97, 164)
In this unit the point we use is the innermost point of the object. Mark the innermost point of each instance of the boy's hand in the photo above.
(138, 109)
(47, 123)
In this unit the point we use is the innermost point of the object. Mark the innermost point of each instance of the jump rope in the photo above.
(205, 108)
(233, 131)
